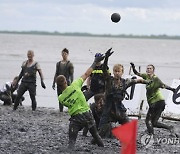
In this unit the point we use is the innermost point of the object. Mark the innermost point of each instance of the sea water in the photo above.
(163, 53)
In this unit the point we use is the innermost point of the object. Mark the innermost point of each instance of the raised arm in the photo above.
(105, 64)
(134, 69)
(106, 73)
(88, 82)
(98, 57)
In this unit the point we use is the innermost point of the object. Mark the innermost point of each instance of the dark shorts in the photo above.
(157, 107)
(31, 87)
(80, 121)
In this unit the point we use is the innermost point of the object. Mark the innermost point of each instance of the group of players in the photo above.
(108, 91)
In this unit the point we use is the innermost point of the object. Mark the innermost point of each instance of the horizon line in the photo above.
(37, 32)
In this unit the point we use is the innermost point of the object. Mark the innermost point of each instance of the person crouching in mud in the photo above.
(115, 90)
(97, 109)
(78, 108)
(7, 94)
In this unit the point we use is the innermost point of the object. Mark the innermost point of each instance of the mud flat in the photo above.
(45, 131)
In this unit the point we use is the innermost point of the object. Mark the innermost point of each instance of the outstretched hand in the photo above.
(109, 53)
(173, 90)
(132, 65)
(98, 57)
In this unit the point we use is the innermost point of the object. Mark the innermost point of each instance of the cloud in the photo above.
(138, 17)
(152, 14)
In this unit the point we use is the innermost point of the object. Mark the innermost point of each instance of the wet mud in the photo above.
(45, 131)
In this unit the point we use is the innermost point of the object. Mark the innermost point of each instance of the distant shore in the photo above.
(163, 36)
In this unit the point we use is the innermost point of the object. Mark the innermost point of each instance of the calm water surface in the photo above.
(164, 54)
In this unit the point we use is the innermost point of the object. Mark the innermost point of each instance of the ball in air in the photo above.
(115, 17)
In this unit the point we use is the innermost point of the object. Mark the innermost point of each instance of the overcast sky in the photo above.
(141, 17)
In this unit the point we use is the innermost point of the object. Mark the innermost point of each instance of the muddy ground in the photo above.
(45, 131)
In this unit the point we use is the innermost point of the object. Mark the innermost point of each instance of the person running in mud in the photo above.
(66, 68)
(7, 92)
(73, 98)
(28, 82)
(95, 83)
(155, 99)
(115, 91)
(97, 109)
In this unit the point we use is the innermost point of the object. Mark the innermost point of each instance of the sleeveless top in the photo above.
(29, 72)
(66, 69)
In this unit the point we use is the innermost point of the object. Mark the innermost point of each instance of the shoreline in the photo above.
(79, 34)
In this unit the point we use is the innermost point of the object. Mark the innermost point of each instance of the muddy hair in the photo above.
(60, 80)
(65, 50)
(97, 97)
(16, 77)
(118, 66)
(31, 51)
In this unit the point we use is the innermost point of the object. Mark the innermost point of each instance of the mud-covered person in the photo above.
(95, 82)
(7, 94)
(66, 68)
(115, 91)
(97, 109)
(155, 99)
(73, 98)
(28, 83)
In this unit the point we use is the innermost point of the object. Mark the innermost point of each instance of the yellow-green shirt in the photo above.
(73, 98)
(153, 92)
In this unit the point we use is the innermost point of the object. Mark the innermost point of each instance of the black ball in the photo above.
(115, 17)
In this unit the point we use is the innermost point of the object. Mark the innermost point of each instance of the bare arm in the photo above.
(55, 76)
(88, 81)
(71, 78)
(41, 74)
(87, 73)
(162, 85)
(71, 72)
(142, 81)
(54, 80)
(20, 76)
(168, 87)
(42, 78)
(137, 81)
